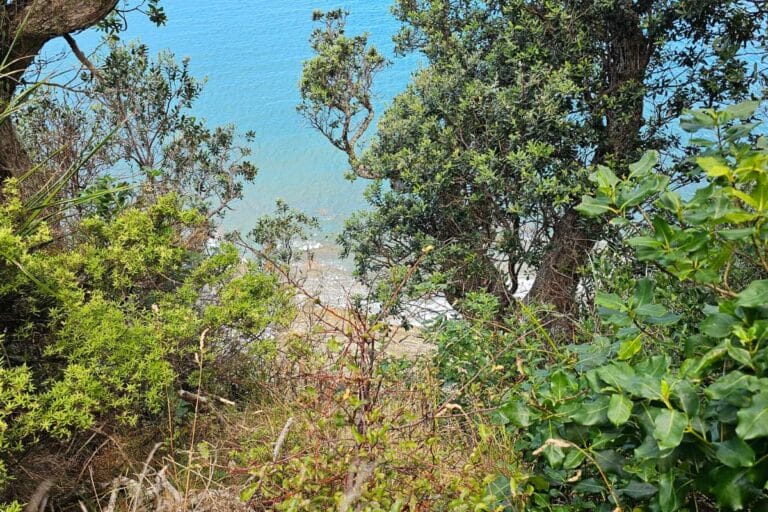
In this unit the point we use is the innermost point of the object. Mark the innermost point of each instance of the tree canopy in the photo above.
(486, 152)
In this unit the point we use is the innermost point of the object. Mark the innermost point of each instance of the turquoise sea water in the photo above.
(252, 52)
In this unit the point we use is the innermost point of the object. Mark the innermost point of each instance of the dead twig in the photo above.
(281, 439)
(142, 476)
(40, 497)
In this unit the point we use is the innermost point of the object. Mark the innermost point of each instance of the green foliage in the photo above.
(483, 155)
(407, 464)
(665, 417)
(15, 395)
(104, 328)
(276, 235)
(134, 123)
(336, 83)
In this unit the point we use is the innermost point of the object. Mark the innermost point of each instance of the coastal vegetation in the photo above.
(584, 182)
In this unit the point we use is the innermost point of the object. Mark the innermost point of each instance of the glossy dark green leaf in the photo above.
(686, 394)
(718, 325)
(589, 486)
(638, 490)
(735, 453)
(731, 487)
(753, 421)
(732, 383)
(755, 295)
(610, 461)
(592, 412)
(619, 409)
(643, 291)
(668, 497)
(669, 428)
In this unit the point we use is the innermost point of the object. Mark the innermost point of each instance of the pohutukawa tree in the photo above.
(488, 148)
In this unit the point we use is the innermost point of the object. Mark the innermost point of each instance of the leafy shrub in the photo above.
(664, 417)
(108, 326)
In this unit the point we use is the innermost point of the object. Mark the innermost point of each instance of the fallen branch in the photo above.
(191, 397)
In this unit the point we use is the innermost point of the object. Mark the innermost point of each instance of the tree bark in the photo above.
(624, 66)
(25, 26)
(558, 275)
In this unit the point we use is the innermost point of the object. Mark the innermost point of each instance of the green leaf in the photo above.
(573, 459)
(735, 453)
(736, 234)
(594, 206)
(700, 141)
(643, 166)
(605, 178)
(718, 325)
(639, 490)
(687, 395)
(667, 319)
(731, 487)
(561, 385)
(619, 409)
(669, 427)
(629, 348)
(696, 120)
(668, 498)
(554, 455)
(739, 355)
(592, 413)
(753, 421)
(653, 310)
(589, 486)
(755, 295)
(731, 385)
(619, 376)
(662, 230)
(643, 291)
(671, 201)
(711, 357)
(714, 167)
(610, 301)
(249, 491)
(516, 413)
(743, 110)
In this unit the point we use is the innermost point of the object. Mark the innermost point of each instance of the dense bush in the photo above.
(109, 326)
(663, 412)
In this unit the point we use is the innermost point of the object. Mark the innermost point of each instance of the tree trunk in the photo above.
(624, 67)
(558, 275)
(25, 26)
(13, 159)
